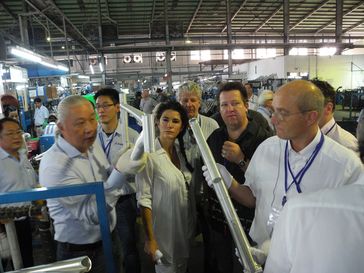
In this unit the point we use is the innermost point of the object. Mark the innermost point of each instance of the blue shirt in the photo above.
(75, 218)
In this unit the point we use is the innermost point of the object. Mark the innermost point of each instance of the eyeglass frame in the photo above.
(104, 106)
(283, 116)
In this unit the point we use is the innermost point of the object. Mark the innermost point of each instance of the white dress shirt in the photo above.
(334, 131)
(75, 218)
(253, 102)
(267, 114)
(16, 175)
(40, 115)
(320, 233)
(334, 166)
(112, 146)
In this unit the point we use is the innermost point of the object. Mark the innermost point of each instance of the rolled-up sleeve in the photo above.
(144, 181)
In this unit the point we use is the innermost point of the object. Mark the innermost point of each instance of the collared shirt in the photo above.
(113, 146)
(248, 141)
(320, 233)
(253, 102)
(334, 166)
(334, 131)
(147, 105)
(50, 129)
(40, 115)
(75, 218)
(16, 175)
(162, 187)
(267, 114)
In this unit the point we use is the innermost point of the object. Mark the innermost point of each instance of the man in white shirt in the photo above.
(74, 159)
(147, 103)
(110, 137)
(327, 122)
(300, 159)
(252, 98)
(189, 96)
(41, 115)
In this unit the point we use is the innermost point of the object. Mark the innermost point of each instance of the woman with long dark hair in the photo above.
(163, 192)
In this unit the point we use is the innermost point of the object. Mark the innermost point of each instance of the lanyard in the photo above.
(297, 179)
(332, 127)
(106, 148)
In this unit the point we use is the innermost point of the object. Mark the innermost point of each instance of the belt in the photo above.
(125, 197)
(76, 247)
(38, 126)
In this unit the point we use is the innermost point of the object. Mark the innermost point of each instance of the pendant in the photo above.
(284, 200)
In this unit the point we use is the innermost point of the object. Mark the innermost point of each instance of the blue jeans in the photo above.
(126, 212)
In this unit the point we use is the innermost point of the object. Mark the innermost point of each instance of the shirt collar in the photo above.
(308, 150)
(118, 129)
(326, 128)
(67, 148)
(3, 153)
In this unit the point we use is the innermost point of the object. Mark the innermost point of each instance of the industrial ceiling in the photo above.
(140, 25)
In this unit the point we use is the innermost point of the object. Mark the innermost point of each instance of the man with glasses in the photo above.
(109, 136)
(16, 173)
(300, 159)
(232, 145)
(189, 96)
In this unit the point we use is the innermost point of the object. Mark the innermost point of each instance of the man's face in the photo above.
(38, 104)
(11, 137)
(80, 126)
(233, 109)
(288, 120)
(106, 109)
(249, 90)
(191, 103)
(145, 94)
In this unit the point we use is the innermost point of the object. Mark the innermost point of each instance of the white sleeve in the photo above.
(144, 182)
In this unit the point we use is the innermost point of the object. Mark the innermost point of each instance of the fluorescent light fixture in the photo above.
(101, 67)
(26, 54)
(83, 77)
(92, 69)
(48, 64)
(62, 67)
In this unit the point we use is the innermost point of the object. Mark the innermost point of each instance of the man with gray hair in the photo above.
(189, 96)
(74, 159)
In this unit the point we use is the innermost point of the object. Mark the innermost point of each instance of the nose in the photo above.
(274, 119)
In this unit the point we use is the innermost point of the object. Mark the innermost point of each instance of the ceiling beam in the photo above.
(81, 5)
(8, 11)
(194, 16)
(268, 18)
(353, 26)
(107, 8)
(358, 5)
(235, 14)
(309, 14)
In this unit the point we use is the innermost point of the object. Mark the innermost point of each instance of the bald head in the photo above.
(305, 94)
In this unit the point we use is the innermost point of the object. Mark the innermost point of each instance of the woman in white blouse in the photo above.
(163, 193)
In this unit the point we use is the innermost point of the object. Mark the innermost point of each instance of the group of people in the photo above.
(263, 173)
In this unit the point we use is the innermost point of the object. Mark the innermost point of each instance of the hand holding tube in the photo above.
(226, 176)
(128, 166)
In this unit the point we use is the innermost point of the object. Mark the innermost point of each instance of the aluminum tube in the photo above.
(124, 122)
(240, 239)
(81, 264)
(133, 111)
(13, 244)
(149, 133)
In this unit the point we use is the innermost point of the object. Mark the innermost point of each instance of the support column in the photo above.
(286, 26)
(339, 24)
(168, 52)
(228, 24)
(67, 48)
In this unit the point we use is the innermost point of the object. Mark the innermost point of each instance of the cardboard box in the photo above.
(51, 92)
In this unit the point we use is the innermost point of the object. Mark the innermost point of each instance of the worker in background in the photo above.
(110, 137)
(233, 146)
(147, 103)
(252, 98)
(10, 106)
(74, 159)
(16, 173)
(189, 96)
(327, 122)
(300, 159)
(327, 225)
(265, 100)
(41, 115)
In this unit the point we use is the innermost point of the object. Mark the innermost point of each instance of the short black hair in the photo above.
(4, 120)
(9, 108)
(327, 90)
(248, 83)
(112, 93)
(231, 86)
(37, 99)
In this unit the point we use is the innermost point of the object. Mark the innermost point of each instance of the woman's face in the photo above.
(170, 124)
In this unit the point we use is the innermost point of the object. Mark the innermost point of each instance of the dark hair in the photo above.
(3, 120)
(109, 92)
(37, 99)
(248, 83)
(9, 108)
(231, 86)
(327, 90)
(175, 106)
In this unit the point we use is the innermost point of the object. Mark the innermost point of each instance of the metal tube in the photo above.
(149, 133)
(13, 244)
(132, 111)
(237, 232)
(81, 264)
(124, 122)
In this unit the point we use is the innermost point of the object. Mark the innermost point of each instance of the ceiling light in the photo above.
(62, 67)
(101, 67)
(92, 69)
(26, 54)
(62, 47)
(48, 39)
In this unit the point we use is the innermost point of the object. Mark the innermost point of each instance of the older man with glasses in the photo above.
(300, 159)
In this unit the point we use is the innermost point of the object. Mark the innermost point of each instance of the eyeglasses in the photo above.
(283, 115)
(104, 106)
(12, 134)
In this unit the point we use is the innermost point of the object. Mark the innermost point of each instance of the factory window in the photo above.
(263, 53)
(236, 54)
(200, 55)
(300, 51)
(327, 51)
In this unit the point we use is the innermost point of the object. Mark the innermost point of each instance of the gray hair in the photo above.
(68, 102)
(189, 87)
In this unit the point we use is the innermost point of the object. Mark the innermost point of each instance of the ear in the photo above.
(60, 126)
(118, 108)
(328, 108)
(312, 117)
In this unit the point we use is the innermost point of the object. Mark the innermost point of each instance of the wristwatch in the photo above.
(242, 163)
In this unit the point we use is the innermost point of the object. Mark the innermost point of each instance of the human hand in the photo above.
(226, 176)
(151, 249)
(232, 152)
(128, 166)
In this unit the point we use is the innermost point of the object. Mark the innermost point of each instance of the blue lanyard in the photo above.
(332, 127)
(106, 148)
(297, 179)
